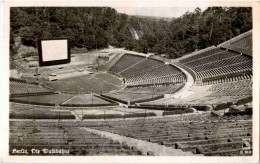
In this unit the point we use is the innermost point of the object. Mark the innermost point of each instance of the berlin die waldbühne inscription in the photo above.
(104, 81)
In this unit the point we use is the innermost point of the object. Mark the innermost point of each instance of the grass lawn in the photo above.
(130, 96)
(86, 99)
(108, 78)
(113, 110)
(85, 84)
(42, 114)
(55, 98)
(98, 112)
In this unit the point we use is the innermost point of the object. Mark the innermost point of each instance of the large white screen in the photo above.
(54, 50)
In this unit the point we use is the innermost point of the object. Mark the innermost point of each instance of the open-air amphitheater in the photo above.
(199, 104)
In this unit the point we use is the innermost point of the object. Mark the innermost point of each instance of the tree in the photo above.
(142, 46)
(98, 27)
(130, 44)
(27, 36)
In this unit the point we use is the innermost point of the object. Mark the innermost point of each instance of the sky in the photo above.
(157, 11)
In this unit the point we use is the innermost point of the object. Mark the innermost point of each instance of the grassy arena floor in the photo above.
(112, 110)
(86, 99)
(41, 114)
(99, 82)
(55, 98)
(25, 111)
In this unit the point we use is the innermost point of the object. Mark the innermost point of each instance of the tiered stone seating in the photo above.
(201, 55)
(141, 67)
(125, 62)
(214, 92)
(155, 89)
(139, 94)
(244, 43)
(20, 88)
(231, 57)
(217, 62)
(214, 57)
(44, 135)
(163, 74)
(227, 80)
(228, 69)
(142, 72)
(138, 70)
(237, 88)
(199, 133)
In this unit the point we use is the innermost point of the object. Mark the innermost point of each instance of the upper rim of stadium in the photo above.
(242, 43)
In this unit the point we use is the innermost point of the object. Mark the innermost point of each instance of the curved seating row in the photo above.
(20, 88)
(224, 91)
(74, 141)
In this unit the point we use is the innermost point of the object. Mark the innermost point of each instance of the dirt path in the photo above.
(76, 116)
(68, 99)
(143, 146)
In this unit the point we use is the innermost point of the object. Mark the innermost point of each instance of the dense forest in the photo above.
(98, 27)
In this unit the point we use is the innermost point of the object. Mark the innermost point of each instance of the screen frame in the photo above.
(54, 62)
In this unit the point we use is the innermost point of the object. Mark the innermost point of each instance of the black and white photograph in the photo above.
(131, 81)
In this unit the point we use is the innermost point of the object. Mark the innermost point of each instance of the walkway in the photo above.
(143, 146)
(185, 91)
